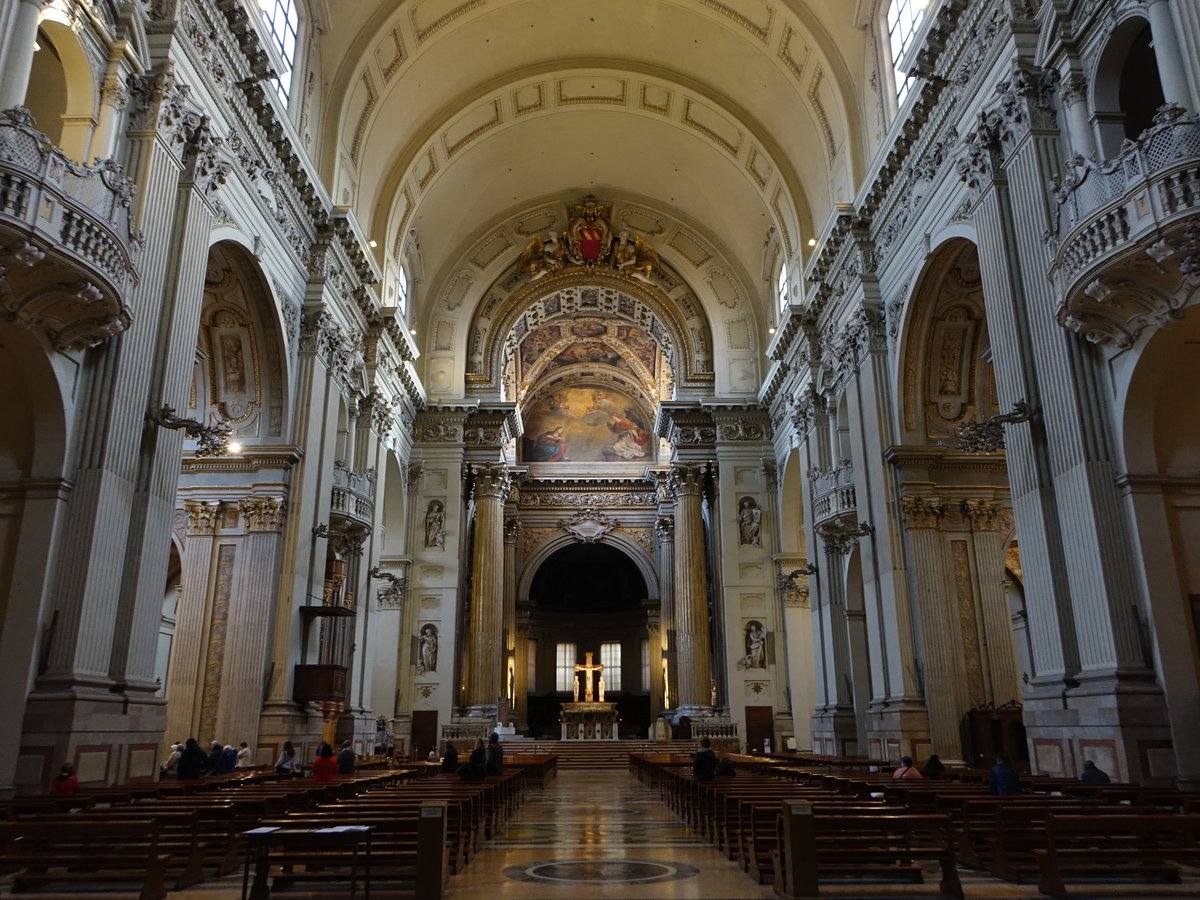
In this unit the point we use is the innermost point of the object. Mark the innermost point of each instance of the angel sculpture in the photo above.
(543, 255)
(635, 257)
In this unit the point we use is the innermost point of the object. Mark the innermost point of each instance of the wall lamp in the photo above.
(211, 440)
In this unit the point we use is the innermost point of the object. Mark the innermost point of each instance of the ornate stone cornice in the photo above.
(492, 426)
(263, 514)
(201, 516)
(922, 512)
(739, 422)
(686, 425)
(585, 492)
(441, 424)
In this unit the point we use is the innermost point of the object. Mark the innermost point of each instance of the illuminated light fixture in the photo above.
(211, 440)
(412, 331)
(812, 242)
(372, 244)
(770, 331)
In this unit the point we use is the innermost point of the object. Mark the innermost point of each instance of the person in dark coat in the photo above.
(494, 764)
(216, 759)
(704, 763)
(450, 758)
(192, 761)
(475, 768)
(934, 767)
(1004, 779)
(346, 759)
(1091, 774)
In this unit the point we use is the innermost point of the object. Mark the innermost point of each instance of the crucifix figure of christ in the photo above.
(587, 669)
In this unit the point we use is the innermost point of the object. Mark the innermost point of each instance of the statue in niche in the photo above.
(435, 525)
(756, 646)
(749, 521)
(427, 649)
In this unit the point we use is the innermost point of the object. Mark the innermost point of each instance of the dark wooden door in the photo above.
(760, 726)
(425, 732)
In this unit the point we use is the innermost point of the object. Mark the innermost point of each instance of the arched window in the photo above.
(904, 18)
(781, 287)
(283, 23)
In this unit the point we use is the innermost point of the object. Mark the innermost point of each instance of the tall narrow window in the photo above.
(904, 19)
(564, 668)
(645, 665)
(283, 23)
(402, 290)
(610, 658)
(781, 287)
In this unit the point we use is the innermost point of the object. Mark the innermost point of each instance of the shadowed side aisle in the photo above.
(599, 834)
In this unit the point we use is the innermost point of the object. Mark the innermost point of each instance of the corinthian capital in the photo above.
(202, 516)
(491, 480)
(686, 480)
(263, 514)
(922, 512)
(984, 514)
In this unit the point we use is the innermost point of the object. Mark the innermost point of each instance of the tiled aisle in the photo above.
(599, 834)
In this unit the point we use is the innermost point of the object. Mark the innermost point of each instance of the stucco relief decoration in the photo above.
(589, 242)
(589, 525)
(395, 590)
(233, 370)
(988, 436)
(950, 363)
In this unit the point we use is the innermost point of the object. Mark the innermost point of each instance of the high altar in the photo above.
(589, 718)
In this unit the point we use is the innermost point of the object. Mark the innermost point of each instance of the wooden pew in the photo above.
(1139, 847)
(39, 854)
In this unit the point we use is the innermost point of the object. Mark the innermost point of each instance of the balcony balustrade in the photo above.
(66, 240)
(1126, 228)
(833, 493)
(353, 494)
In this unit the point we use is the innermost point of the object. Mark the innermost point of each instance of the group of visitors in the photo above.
(1003, 780)
(187, 760)
(486, 759)
(707, 766)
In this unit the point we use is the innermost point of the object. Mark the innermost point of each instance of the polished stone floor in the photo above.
(599, 834)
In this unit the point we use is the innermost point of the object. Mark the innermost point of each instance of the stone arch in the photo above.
(1126, 89)
(242, 361)
(1159, 426)
(623, 542)
(791, 505)
(945, 375)
(686, 341)
(62, 93)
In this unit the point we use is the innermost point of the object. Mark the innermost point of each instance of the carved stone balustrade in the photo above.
(833, 493)
(66, 242)
(353, 494)
(1127, 229)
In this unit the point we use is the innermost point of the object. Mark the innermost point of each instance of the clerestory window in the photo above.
(904, 18)
(283, 25)
(564, 668)
(781, 287)
(610, 658)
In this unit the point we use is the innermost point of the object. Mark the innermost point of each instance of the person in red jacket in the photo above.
(66, 784)
(324, 767)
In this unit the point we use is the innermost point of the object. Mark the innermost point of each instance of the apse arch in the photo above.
(495, 332)
(616, 540)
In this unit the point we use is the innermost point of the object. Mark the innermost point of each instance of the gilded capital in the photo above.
(984, 514)
(263, 514)
(491, 481)
(686, 480)
(922, 512)
(202, 516)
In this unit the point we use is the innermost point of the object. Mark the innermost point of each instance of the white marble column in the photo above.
(1073, 90)
(485, 681)
(1167, 53)
(691, 592)
(664, 652)
(18, 58)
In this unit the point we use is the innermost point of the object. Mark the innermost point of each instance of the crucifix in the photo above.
(587, 669)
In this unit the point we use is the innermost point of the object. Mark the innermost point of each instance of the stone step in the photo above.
(599, 754)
